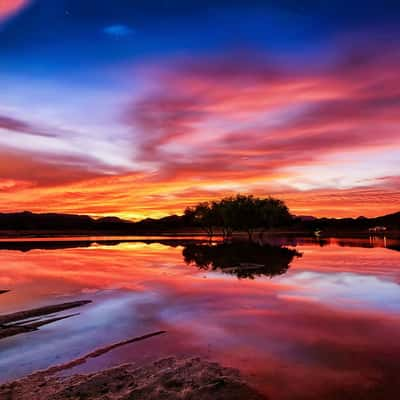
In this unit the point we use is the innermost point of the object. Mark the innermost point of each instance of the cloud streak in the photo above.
(18, 126)
(118, 30)
(253, 119)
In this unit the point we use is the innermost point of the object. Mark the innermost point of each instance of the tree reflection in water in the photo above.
(243, 259)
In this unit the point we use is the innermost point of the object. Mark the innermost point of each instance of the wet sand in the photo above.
(167, 379)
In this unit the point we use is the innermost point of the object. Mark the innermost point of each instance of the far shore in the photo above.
(39, 234)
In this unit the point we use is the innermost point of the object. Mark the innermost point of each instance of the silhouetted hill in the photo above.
(306, 217)
(31, 223)
(388, 220)
(113, 220)
(391, 221)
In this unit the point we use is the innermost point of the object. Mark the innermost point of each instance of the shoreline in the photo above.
(169, 378)
(186, 378)
(62, 234)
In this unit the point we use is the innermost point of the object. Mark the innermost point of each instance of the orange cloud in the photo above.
(138, 196)
(41, 170)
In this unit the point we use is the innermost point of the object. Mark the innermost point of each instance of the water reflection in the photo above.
(25, 245)
(28, 244)
(324, 329)
(243, 259)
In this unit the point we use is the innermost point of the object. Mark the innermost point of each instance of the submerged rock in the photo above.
(167, 379)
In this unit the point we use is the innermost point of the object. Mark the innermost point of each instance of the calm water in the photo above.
(312, 320)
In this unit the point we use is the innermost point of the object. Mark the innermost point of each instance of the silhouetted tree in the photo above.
(240, 213)
(225, 212)
(272, 213)
(204, 215)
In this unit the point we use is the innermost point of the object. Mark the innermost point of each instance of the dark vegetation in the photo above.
(239, 213)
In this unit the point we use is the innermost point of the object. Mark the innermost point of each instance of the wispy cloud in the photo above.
(118, 30)
(16, 126)
(248, 118)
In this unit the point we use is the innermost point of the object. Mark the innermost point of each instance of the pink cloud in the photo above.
(219, 111)
(28, 170)
(18, 126)
(9, 8)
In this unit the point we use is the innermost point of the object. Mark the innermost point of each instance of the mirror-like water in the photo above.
(306, 320)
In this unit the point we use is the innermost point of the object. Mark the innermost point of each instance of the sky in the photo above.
(139, 109)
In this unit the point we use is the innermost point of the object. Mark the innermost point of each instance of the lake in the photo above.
(301, 318)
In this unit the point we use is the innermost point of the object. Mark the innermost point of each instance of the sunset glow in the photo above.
(138, 113)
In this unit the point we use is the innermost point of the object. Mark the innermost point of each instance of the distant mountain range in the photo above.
(30, 223)
(391, 221)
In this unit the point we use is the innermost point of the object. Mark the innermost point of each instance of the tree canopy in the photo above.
(239, 213)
